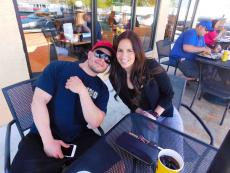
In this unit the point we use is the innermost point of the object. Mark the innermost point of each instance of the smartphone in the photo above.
(69, 152)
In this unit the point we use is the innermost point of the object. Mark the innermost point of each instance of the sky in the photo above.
(214, 8)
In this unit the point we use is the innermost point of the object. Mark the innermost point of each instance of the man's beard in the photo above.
(95, 70)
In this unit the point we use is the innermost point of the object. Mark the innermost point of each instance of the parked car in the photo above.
(34, 21)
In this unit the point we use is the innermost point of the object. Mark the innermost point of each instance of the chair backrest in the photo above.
(19, 98)
(215, 78)
(178, 85)
(163, 48)
(49, 35)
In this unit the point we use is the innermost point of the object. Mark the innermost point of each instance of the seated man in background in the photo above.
(188, 44)
(88, 19)
(68, 97)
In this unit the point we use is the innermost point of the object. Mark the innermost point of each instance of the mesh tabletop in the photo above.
(106, 156)
(217, 62)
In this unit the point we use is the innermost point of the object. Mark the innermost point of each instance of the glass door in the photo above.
(180, 18)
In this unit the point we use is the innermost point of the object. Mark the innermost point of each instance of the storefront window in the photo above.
(144, 21)
(113, 17)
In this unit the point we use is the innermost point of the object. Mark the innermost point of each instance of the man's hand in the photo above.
(52, 148)
(207, 50)
(75, 85)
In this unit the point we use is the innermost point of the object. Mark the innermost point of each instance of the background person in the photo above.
(211, 37)
(88, 23)
(79, 26)
(128, 26)
(67, 97)
(187, 45)
(111, 20)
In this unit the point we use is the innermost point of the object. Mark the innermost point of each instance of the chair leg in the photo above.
(175, 71)
(201, 94)
(225, 112)
(168, 68)
(197, 89)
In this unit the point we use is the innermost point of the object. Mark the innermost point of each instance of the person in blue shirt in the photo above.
(69, 96)
(87, 18)
(190, 43)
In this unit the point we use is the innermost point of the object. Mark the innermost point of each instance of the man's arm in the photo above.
(52, 147)
(195, 49)
(86, 28)
(92, 114)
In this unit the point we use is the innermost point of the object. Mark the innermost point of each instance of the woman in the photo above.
(143, 85)
(212, 36)
(111, 20)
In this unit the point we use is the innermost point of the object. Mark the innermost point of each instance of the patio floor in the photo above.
(211, 114)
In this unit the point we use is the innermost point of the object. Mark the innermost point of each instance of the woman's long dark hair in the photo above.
(138, 77)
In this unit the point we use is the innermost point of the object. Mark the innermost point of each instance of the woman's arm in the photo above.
(166, 92)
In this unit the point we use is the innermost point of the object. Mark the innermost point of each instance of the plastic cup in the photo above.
(225, 56)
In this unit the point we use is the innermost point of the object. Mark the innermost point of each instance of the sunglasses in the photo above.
(102, 55)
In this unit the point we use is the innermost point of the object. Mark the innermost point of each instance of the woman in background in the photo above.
(111, 20)
(212, 36)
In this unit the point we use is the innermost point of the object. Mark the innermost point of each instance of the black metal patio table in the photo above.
(216, 62)
(221, 64)
(224, 42)
(106, 156)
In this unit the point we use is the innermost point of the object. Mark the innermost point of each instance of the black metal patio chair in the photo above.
(178, 85)
(215, 80)
(19, 98)
(221, 162)
(163, 51)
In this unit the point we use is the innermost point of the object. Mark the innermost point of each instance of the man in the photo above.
(88, 20)
(68, 97)
(190, 43)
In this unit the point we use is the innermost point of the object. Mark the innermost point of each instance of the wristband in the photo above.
(155, 114)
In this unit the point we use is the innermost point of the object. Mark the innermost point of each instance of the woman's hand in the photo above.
(145, 113)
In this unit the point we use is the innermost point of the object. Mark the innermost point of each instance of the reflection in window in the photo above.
(144, 21)
(172, 19)
(113, 17)
(43, 15)
(178, 24)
